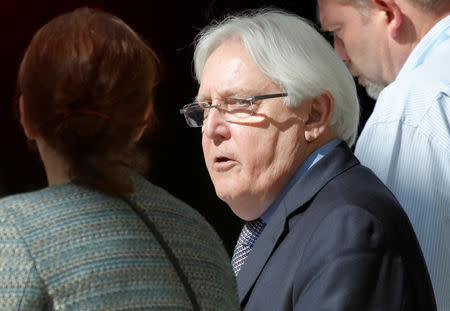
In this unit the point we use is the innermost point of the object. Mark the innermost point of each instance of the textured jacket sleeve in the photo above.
(20, 285)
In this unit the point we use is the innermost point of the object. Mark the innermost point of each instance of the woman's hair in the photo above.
(290, 52)
(87, 82)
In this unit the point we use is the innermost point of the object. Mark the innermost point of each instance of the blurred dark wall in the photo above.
(169, 27)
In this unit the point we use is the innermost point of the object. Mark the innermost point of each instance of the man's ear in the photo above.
(27, 126)
(393, 15)
(320, 111)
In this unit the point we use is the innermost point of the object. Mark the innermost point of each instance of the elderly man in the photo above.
(278, 111)
(405, 44)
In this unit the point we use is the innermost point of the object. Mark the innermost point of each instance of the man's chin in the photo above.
(372, 89)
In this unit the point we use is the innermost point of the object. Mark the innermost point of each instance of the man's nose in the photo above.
(214, 126)
(340, 49)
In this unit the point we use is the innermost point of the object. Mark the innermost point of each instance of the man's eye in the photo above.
(204, 105)
(329, 35)
(236, 102)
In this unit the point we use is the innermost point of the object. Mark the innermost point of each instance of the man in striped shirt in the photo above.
(405, 45)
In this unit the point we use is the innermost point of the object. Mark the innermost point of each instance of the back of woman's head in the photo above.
(87, 82)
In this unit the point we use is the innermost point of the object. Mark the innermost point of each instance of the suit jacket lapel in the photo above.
(259, 255)
(334, 163)
(295, 201)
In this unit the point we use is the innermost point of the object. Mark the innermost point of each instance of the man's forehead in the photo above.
(230, 71)
(325, 12)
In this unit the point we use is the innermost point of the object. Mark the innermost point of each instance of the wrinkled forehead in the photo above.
(231, 71)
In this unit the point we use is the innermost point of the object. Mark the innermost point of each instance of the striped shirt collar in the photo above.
(438, 34)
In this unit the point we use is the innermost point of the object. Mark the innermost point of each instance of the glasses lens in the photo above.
(194, 116)
(236, 109)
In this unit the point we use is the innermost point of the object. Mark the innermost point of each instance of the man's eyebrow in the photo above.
(200, 98)
(328, 28)
(234, 92)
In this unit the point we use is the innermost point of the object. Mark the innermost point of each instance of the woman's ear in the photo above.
(140, 130)
(28, 127)
(320, 111)
(138, 134)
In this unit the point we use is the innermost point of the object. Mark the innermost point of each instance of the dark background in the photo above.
(170, 28)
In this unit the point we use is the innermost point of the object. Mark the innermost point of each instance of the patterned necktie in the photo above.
(247, 239)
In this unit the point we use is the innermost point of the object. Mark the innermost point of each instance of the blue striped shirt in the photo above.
(406, 142)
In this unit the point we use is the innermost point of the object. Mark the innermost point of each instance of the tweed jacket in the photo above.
(67, 247)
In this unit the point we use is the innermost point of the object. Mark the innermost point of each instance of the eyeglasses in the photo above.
(230, 109)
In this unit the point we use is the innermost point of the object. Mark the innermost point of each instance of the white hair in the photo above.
(288, 50)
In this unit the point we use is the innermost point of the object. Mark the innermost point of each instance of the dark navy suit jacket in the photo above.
(338, 241)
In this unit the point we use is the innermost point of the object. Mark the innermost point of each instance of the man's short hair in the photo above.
(291, 52)
(429, 5)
